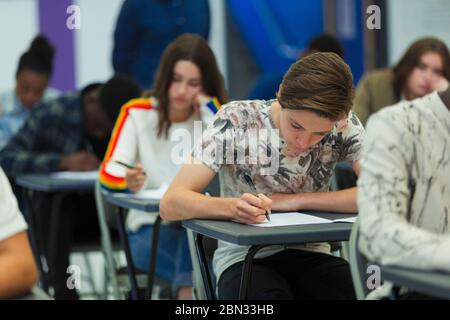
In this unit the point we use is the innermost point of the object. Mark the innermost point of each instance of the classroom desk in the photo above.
(433, 283)
(124, 204)
(58, 188)
(258, 238)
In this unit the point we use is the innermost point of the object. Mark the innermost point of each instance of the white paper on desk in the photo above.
(290, 219)
(296, 218)
(146, 194)
(349, 220)
(75, 175)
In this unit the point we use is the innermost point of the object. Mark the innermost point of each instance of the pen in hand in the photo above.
(252, 186)
(127, 165)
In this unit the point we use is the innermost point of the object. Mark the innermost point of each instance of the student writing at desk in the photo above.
(188, 88)
(288, 147)
(67, 134)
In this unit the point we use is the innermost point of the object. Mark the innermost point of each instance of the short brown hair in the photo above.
(193, 48)
(320, 82)
(411, 59)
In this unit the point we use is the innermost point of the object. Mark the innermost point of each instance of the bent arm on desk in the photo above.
(337, 201)
(183, 200)
(122, 147)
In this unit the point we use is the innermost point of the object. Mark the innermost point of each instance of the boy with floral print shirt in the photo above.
(289, 148)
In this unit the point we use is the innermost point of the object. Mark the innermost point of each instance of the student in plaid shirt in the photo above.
(70, 133)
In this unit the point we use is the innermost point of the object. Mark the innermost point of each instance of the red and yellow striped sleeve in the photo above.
(109, 181)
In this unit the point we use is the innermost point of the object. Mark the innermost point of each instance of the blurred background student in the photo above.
(70, 133)
(266, 87)
(188, 88)
(424, 67)
(33, 75)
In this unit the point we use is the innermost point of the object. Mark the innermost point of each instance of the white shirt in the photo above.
(404, 187)
(11, 220)
(161, 157)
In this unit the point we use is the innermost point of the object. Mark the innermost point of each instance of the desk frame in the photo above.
(258, 238)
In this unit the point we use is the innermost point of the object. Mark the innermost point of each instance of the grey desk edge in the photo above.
(433, 283)
(45, 183)
(250, 235)
(151, 205)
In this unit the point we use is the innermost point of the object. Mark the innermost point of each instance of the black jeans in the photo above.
(75, 222)
(291, 274)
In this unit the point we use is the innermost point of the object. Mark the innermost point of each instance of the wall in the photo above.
(84, 55)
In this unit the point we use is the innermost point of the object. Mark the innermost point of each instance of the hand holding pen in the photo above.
(255, 193)
(134, 177)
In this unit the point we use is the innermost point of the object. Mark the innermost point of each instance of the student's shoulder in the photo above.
(396, 119)
(379, 79)
(399, 112)
(243, 112)
(140, 107)
(65, 106)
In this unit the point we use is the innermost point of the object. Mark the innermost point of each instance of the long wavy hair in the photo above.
(411, 59)
(193, 48)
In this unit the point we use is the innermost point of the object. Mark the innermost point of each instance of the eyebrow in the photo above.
(299, 125)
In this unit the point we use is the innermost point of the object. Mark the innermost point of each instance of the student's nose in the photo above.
(428, 75)
(304, 141)
(182, 88)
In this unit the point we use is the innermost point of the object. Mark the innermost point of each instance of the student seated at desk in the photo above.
(424, 67)
(32, 78)
(18, 272)
(70, 133)
(404, 188)
(146, 135)
(287, 148)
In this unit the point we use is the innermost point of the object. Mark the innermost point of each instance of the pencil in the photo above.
(127, 165)
(252, 186)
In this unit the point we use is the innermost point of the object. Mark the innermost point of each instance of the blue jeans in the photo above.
(173, 262)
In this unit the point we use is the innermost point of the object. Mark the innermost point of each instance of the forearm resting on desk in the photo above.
(337, 201)
(186, 204)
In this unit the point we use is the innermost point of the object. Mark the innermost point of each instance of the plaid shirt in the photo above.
(53, 129)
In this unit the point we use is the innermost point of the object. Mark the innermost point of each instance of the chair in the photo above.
(117, 276)
(358, 264)
(105, 210)
(209, 246)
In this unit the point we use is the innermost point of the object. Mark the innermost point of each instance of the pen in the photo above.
(127, 165)
(252, 186)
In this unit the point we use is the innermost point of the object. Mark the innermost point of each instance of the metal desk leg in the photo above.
(126, 247)
(153, 255)
(32, 230)
(54, 240)
(247, 270)
(198, 240)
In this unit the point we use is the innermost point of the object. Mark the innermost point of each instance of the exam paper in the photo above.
(75, 175)
(296, 218)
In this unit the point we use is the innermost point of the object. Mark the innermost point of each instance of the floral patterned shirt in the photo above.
(243, 140)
